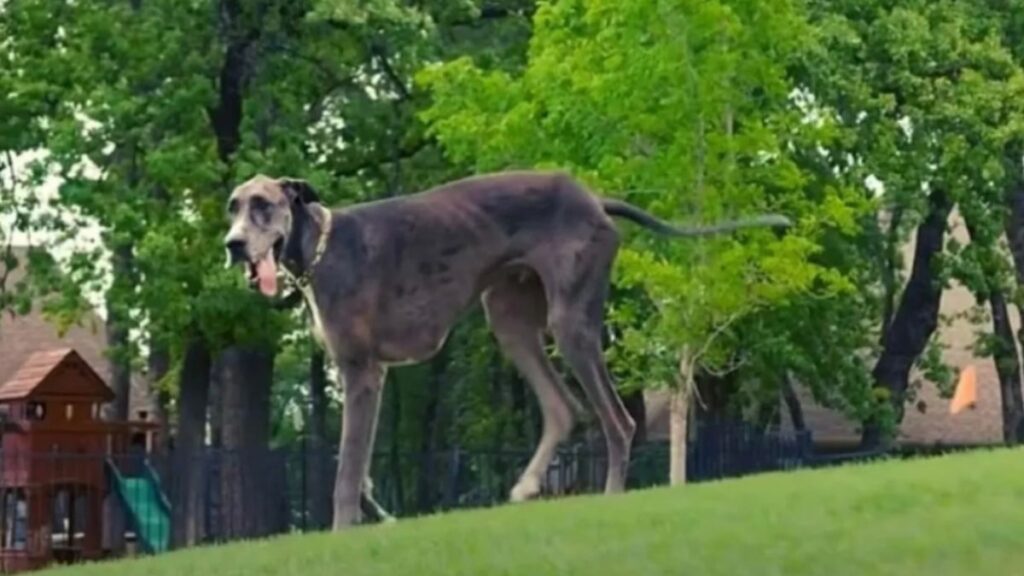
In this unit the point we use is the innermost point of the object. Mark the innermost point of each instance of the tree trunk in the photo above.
(226, 116)
(216, 403)
(1015, 237)
(122, 264)
(119, 362)
(1015, 228)
(678, 417)
(796, 411)
(914, 320)
(319, 455)
(186, 493)
(889, 264)
(1008, 367)
(247, 467)
(159, 365)
(1004, 354)
(247, 373)
(679, 411)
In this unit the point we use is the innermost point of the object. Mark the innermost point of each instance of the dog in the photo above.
(386, 280)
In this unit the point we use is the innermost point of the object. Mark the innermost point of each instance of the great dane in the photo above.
(385, 281)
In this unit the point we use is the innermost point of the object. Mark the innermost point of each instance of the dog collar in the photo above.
(321, 246)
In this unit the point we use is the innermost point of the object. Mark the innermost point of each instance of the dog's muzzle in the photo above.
(236, 252)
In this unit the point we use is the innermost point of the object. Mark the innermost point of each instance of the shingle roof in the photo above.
(33, 376)
(21, 336)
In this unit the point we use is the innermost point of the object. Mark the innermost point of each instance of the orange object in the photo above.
(966, 394)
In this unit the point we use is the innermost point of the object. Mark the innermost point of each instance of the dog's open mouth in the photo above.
(263, 273)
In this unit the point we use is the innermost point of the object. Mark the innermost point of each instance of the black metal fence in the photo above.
(409, 484)
(233, 495)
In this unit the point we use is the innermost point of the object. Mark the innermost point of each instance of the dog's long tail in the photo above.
(630, 212)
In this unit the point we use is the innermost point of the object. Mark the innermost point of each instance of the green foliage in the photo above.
(928, 95)
(697, 110)
(324, 98)
(686, 110)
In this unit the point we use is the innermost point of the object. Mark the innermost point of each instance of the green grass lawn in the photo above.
(961, 514)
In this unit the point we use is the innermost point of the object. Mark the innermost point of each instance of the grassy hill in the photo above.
(955, 515)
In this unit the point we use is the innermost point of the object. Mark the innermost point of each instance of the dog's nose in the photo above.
(236, 250)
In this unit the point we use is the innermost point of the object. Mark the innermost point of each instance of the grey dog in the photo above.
(385, 281)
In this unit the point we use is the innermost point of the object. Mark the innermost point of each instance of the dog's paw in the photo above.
(525, 489)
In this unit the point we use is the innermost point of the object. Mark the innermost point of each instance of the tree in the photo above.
(309, 89)
(922, 90)
(164, 172)
(23, 112)
(652, 104)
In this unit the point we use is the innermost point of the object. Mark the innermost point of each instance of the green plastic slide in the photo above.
(146, 506)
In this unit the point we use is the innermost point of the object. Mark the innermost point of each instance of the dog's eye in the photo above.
(233, 207)
(259, 203)
(259, 209)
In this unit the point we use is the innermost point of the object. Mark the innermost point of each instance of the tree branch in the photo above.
(8, 254)
(386, 158)
(714, 336)
(688, 362)
(226, 115)
(331, 76)
(389, 71)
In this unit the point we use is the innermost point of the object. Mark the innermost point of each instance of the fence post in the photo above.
(303, 463)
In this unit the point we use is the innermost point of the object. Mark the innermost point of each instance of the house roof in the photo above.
(46, 373)
(21, 336)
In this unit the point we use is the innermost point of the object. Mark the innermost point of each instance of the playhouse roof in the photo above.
(23, 335)
(46, 374)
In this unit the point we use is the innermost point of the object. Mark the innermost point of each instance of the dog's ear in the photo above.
(299, 191)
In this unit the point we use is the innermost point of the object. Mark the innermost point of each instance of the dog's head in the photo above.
(262, 215)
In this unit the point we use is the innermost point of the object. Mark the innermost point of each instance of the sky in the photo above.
(88, 238)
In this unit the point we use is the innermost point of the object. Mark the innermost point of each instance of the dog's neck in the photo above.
(310, 224)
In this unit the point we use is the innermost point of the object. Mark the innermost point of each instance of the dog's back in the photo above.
(496, 207)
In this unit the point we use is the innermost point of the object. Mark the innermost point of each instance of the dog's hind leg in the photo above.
(577, 290)
(516, 311)
(363, 384)
(371, 509)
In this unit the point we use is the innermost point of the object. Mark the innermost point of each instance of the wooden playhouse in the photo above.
(57, 459)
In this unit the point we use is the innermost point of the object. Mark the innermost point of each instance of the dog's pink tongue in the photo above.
(266, 272)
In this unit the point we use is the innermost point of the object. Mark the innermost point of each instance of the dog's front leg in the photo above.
(363, 383)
